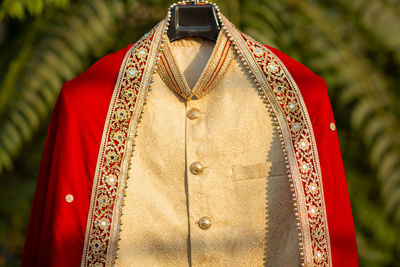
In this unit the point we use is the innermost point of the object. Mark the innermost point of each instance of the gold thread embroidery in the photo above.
(119, 131)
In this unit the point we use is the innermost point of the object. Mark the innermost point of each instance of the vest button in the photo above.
(194, 113)
(205, 223)
(196, 168)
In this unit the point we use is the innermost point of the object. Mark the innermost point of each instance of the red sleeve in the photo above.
(340, 221)
(56, 228)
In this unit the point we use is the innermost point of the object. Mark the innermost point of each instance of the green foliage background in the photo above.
(354, 45)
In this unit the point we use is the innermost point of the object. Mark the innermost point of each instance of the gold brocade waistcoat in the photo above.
(216, 158)
(207, 158)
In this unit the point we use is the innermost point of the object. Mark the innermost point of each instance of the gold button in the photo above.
(194, 113)
(205, 223)
(196, 168)
(332, 126)
(69, 198)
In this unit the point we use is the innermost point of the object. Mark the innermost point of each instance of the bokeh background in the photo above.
(354, 45)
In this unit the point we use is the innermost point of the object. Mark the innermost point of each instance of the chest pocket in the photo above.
(260, 170)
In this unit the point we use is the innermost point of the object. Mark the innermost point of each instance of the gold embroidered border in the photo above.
(124, 113)
(285, 98)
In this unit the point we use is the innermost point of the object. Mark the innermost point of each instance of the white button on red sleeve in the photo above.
(69, 198)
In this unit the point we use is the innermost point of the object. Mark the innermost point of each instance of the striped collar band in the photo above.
(211, 76)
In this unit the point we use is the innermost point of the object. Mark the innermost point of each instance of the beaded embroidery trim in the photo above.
(283, 97)
(124, 114)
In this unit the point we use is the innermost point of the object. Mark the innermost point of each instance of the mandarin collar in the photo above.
(211, 76)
